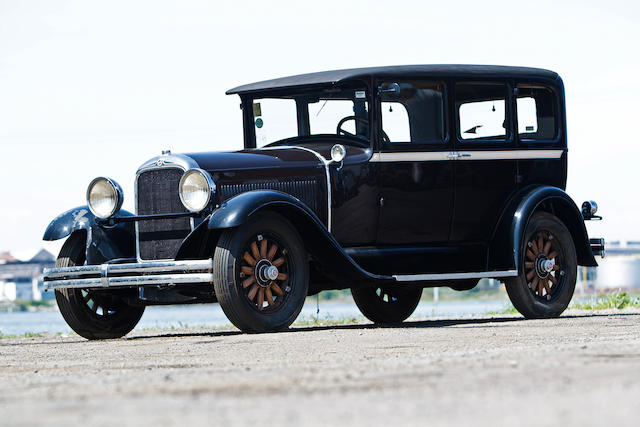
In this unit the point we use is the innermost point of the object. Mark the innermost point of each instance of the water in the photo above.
(179, 316)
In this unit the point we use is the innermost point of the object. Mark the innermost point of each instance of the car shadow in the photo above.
(436, 323)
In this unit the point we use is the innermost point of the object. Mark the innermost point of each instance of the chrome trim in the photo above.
(139, 274)
(116, 188)
(434, 156)
(210, 183)
(179, 161)
(168, 160)
(130, 281)
(454, 276)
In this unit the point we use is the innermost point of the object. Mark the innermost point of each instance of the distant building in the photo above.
(23, 279)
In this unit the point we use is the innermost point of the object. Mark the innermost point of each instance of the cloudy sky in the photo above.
(95, 88)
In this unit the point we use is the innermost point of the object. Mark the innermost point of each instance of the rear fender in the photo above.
(506, 245)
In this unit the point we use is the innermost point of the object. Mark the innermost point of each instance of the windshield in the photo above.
(336, 111)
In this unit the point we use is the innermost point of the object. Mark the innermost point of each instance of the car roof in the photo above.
(397, 71)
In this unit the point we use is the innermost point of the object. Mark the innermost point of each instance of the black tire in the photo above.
(284, 296)
(535, 292)
(386, 304)
(92, 314)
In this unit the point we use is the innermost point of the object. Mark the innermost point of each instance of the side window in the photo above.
(395, 121)
(537, 112)
(274, 119)
(481, 111)
(414, 112)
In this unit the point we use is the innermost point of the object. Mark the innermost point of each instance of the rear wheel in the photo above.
(261, 274)
(386, 304)
(92, 314)
(548, 267)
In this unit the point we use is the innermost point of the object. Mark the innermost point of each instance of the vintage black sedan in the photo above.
(383, 180)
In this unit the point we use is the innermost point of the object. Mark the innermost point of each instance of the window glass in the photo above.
(413, 112)
(311, 113)
(325, 115)
(395, 121)
(274, 119)
(481, 111)
(536, 107)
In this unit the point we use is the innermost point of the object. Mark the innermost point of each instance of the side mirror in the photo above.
(338, 152)
(392, 90)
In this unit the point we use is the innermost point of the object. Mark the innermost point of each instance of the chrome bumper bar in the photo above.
(129, 275)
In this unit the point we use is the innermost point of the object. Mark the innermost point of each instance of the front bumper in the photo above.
(129, 275)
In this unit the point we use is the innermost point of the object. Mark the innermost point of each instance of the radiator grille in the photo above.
(304, 189)
(157, 193)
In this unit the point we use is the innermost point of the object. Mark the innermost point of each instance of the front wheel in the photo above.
(261, 274)
(386, 304)
(548, 268)
(92, 314)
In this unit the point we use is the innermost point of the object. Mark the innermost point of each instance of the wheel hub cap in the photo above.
(265, 272)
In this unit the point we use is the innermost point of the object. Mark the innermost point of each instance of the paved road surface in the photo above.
(577, 370)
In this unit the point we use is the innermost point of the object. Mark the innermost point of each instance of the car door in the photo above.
(414, 172)
(486, 164)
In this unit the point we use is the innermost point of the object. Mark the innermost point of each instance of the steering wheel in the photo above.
(341, 131)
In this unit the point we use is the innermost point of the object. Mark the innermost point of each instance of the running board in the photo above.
(454, 276)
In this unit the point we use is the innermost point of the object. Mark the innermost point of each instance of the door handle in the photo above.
(456, 155)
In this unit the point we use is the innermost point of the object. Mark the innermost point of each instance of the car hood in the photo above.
(268, 158)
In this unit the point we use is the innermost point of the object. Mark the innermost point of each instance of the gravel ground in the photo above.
(581, 369)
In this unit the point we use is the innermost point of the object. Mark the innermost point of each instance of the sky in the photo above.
(92, 88)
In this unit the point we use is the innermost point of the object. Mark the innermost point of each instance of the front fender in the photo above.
(506, 244)
(63, 225)
(237, 210)
(319, 242)
(103, 243)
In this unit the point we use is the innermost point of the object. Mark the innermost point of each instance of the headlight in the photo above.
(195, 189)
(104, 197)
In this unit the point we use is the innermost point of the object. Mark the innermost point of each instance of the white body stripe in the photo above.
(434, 156)
(431, 156)
(454, 276)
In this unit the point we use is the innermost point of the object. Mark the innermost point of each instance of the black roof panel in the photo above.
(336, 76)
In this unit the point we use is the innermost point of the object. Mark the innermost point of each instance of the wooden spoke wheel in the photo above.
(391, 304)
(542, 265)
(264, 272)
(93, 314)
(261, 273)
(547, 272)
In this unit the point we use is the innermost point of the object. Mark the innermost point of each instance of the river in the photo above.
(211, 315)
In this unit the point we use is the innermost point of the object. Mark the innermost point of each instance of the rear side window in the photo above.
(537, 113)
(482, 111)
(413, 112)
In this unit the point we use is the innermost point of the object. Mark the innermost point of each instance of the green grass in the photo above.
(327, 321)
(614, 301)
(25, 335)
(508, 309)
